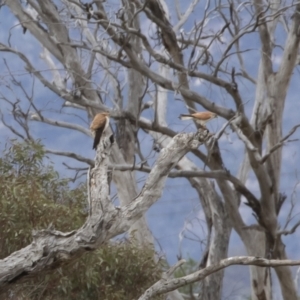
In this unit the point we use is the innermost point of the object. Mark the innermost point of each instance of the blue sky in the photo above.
(179, 206)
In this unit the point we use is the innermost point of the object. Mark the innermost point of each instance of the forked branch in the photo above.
(166, 285)
(51, 248)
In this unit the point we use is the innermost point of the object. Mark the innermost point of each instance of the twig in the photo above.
(280, 144)
(71, 155)
(291, 231)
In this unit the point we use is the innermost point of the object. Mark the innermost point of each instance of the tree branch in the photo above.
(51, 248)
(291, 231)
(265, 40)
(280, 144)
(72, 155)
(166, 285)
(36, 117)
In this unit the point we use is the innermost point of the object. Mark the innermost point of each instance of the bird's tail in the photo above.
(185, 117)
(97, 138)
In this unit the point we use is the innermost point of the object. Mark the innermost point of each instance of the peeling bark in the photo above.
(50, 248)
(218, 226)
(125, 44)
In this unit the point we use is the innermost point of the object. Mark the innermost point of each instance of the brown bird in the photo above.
(98, 126)
(199, 117)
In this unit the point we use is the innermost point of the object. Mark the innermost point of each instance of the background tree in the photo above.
(126, 57)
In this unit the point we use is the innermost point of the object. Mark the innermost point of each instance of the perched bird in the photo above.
(199, 117)
(89, 10)
(98, 126)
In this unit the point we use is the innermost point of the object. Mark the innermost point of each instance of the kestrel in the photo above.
(199, 117)
(98, 126)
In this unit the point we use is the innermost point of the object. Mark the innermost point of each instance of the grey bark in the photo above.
(265, 124)
(51, 248)
(218, 225)
(55, 42)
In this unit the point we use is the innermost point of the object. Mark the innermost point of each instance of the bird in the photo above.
(89, 10)
(98, 127)
(199, 117)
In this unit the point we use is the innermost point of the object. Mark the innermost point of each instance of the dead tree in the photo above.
(140, 64)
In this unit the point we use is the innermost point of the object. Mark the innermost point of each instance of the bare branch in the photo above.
(166, 285)
(291, 231)
(291, 49)
(39, 118)
(280, 144)
(186, 15)
(250, 147)
(240, 187)
(105, 222)
(265, 40)
(71, 155)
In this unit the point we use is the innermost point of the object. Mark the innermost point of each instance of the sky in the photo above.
(178, 213)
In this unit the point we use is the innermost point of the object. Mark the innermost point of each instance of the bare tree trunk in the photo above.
(128, 47)
(267, 113)
(212, 286)
(218, 224)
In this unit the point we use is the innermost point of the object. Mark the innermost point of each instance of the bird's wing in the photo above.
(205, 115)
(99, 121)
(98, 126)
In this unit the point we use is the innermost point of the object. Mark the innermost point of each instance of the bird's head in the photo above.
(106, 113)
